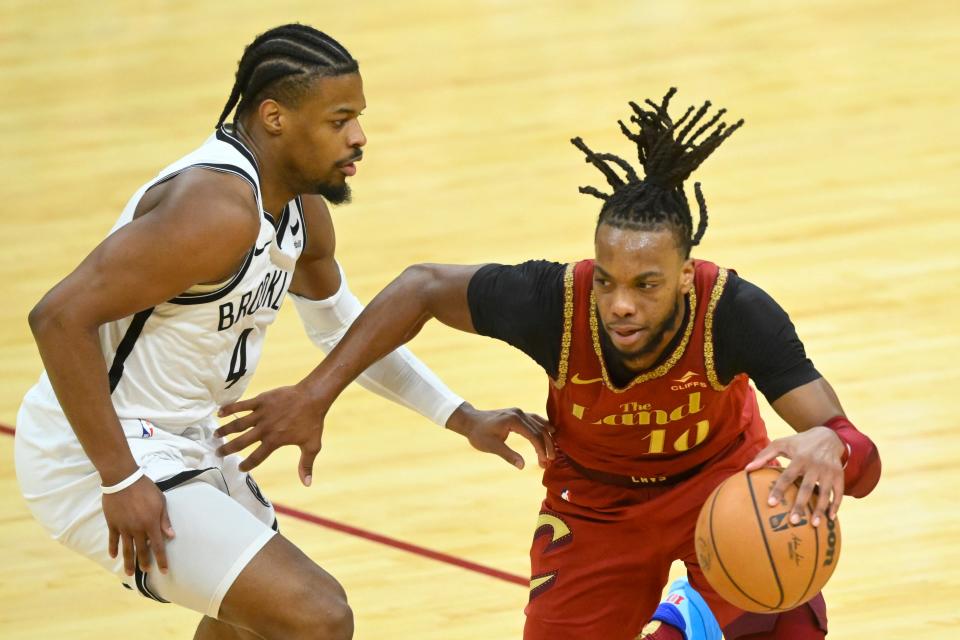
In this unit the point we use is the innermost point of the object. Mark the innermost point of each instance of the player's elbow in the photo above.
(421, 281)
(41, 318)
(48, 317)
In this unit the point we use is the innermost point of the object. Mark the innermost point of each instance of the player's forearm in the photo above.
(393, 318)
(74, 363)
(398, 376)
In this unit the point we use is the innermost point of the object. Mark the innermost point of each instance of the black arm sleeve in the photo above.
(521, 305)
(754, 335)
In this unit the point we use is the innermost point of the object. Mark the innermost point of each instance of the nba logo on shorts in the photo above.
(147, 429)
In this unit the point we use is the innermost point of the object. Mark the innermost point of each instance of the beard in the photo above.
(657, 334)
(335, 193)
(339, 192)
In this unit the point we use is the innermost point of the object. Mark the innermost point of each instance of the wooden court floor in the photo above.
(839, 197)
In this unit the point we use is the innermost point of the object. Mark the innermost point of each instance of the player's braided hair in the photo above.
(668, 155)
(282, 62)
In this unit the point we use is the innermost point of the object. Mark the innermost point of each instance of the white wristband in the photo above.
(123, 484)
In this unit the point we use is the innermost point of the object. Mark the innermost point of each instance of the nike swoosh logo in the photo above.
(576, 379)
(257, 252)
(294, 228)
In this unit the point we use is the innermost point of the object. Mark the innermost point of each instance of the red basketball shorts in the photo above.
(601, 553)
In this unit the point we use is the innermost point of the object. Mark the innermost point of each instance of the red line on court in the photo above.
(380, 539)
(399, 544)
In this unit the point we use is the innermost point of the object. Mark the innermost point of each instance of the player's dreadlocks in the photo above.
(668, 157)
(282, 62)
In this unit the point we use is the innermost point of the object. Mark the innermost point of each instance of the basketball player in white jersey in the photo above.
(163, 323)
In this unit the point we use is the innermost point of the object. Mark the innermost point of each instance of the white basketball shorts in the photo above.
(219, 516)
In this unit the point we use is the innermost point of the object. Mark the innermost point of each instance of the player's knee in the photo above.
(325, 616)
(338, 623)
(320, 612)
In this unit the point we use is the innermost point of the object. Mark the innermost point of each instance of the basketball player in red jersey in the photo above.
(649, 354)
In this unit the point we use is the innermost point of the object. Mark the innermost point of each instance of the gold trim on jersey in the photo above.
(708, 356)
(567, 336)
(652, 373)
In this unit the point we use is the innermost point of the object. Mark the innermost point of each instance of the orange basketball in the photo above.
(750, 552)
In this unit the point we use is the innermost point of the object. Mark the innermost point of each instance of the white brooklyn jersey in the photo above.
(176, 363)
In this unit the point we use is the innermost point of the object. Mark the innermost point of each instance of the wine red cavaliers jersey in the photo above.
(667, 420)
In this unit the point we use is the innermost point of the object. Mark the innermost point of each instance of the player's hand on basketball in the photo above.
(276, 418)
(139, 525)
(488, 430)
(815, 456)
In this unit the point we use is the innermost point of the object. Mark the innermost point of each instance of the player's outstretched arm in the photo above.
(327, 307)
(294, 415)
(159, 255)
(827, 454)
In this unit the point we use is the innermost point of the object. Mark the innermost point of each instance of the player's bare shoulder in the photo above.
(204, 197)
(203, 213)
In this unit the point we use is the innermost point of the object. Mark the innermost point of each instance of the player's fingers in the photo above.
(529, 421)
(159, 548)
(837, 496)
(551, 448)
(259, 454)
(239, 406)
(165, 523)
(239, 443)
(549, 428)
(114, 542)
(822, 497)
(546, 431)
(238, 425)
(787, 476)
(763, 458)
(535, 438)
(505, 452)
(128, 562)
(143, 551)
(307, 456)
(798, 510)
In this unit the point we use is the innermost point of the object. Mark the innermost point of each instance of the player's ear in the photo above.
(686, 276)
(271, 116)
